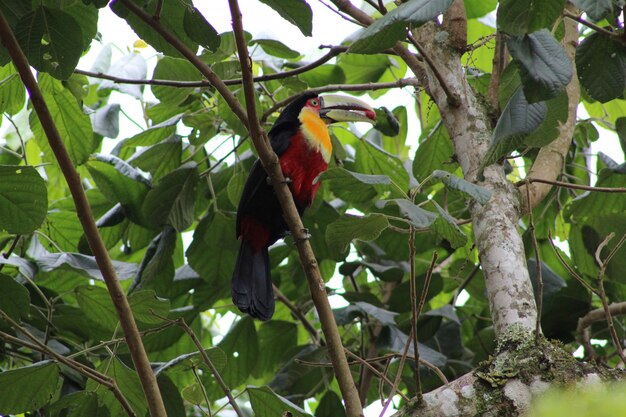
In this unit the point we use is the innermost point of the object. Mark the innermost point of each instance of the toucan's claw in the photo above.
(286, 181)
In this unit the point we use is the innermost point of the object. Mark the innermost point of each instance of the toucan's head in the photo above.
(330, 108)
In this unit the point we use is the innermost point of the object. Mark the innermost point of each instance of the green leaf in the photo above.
(200, 30)
(549, 128)
(341, 232)
(478, 193)
(324, 75)
(28, 388)
(83, 264)
(176, 69)
(147, 307)
(187, 361)
(360, 68)
(12, 90)
(77, 404)
(276, 48)
(159, 159)
(446, 227)
(127, 381)
(544, 65)
(354, 187)
(391, 28)
(296, 12)
(271, 334)
(518, 119)
(23, 199)
(436, 151)
(330, 406)
(96, 305)
(600, 65)
(348, 314)
(242, 350)
(215, 235)
(153, 135)
(596, 9)
(372, 160)
(51, 39)
(266, 403)
(419, 217)
(120, 182)
(235, 187)
(172, 200)
(172, 17)
(14, 298)
(519, 17)
(73, 125)
(157, 267)
(106, 120)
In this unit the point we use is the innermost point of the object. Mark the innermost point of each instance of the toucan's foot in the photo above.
(286, 181)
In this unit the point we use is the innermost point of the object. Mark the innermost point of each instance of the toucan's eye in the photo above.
(314, 102)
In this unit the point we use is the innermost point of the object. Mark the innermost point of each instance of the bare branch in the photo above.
(572, 186)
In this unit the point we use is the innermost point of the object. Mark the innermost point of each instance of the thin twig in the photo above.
(298, 313)
(572, 186)
(453, 98)
(396, 381)
(85, 215)
(9, 251)
(590, 25)
(414, 313)
(375, 371)
(333, 52)
(602, 293)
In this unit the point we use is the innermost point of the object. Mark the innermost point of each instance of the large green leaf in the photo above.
(14, 298)
(159, 159)
(372, 160)
(200, 30)
(344, 230)
(419, 217)
(176, 69)
(446, 227)
(276, 48)
(296, 12)
(518, 119)
(479, 8)
(28, 388)
(266, 403)
(354, 187)
(12, 90)
(392, 27)
(51, 39)
(330, 406)
(242, 349)
(23, 199)
(157, 267)
(436, 151)
(73, 125)
(600, 65)
(596, 9)
(549, 129)
(519, 17)
(172, 200)
(172, 17)
(127, 381)
(544, 65)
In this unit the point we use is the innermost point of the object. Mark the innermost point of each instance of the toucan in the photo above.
(300, 139)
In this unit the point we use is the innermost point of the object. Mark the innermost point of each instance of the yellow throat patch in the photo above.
(315, 132)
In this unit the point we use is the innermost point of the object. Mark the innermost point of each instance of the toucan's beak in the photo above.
(336, 108)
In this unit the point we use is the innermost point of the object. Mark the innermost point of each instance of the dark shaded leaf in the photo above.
(394, 340)
(172, 200)
(23, 199)
(242, 350)
(446, 227)
(544, 66)
(14, 298)
(187, 361)
(51, 39)
(347, 314)
(200, 30)
(518, 119)
(354, 187)
(296, 12)
(600, 63)
(266, 403)
(28, 388)
(549, 128)
(596, 9)
(330, 406)
(519, 17)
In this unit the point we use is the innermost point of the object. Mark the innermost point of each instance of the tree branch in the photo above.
(551, 158)
(571, 186)
(85, 215)
(333, 52)
(307, 257)
(298, 313)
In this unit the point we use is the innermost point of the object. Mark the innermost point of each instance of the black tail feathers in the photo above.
(252, 284)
